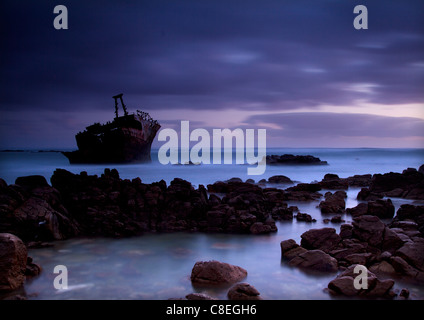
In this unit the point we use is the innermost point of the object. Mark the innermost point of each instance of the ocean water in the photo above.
(344, 162)
(158, 266)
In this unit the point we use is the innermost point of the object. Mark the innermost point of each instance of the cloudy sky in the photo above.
(297, 68)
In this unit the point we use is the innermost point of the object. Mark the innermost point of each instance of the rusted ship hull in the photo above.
(123, 145)
(127, 139)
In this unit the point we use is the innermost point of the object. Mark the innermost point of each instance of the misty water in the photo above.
(158, 266)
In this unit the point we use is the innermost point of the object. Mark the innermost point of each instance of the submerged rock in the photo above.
(280, 179)
(243, 291)
(289, 159)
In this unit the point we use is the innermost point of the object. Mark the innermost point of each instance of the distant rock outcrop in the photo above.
(289, 159)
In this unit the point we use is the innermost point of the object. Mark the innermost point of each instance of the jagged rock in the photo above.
(383, 209)
(334, 202)
(215, 272)
(359, 180)
(324, 239)
(13, 261)
(404, 293)
(410, 213)
(366, 195)
(31, 182)
(260, 228)
(369, 229)
(343, 284)
(413, 253)
(199, 296)
(383, 267)
(346, 231)
(290, 249)
(307, 187)
(292, 159)
(280, 179)
(316, 260)
(360, 210)
(282, 213)
(337, 219)
(410, 181)
(32, 269)
(333, 182)
(304, 217)
(243, 291)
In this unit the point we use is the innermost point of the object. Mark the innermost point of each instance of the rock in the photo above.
(347, 247)
(324, 239)
(31, 182)
(243, 291)
(346, 231)
(383, 267)
(199, 296)
(404, 293)
(369, 229)
(280, 179)
(282, 213)
(421, 169)
(333, 182)
(410, 180)
(334, 202)
(337, 219)
(411, 213)
(316, 260)
(215, 273)
(395, 193)
(3, 184)
(343, 284)
(292, 159)
(392, 240)
(413, 253)
(13, 261)
(359, 210)
(366, 195)
(308, 187)
(32, 269)
(235, 179)
(304, 217)
(358, 258)
(287, 245)
(402, 267)
(359, 180)
(290, 249)
(260, 228)
(384, 209)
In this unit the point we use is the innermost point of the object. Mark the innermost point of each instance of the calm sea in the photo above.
(158, 266)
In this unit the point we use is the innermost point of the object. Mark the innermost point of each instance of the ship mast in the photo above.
(119, 96)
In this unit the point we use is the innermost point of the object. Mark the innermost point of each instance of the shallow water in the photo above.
(158, 266)
(344, 162)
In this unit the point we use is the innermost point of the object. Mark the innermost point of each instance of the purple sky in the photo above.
(297, 68)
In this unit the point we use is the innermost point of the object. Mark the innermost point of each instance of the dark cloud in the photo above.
(208, 55)
(324, 124)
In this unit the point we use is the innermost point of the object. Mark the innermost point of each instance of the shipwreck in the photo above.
(127, 139)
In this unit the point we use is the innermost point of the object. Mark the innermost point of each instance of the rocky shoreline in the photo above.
(83, 205)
